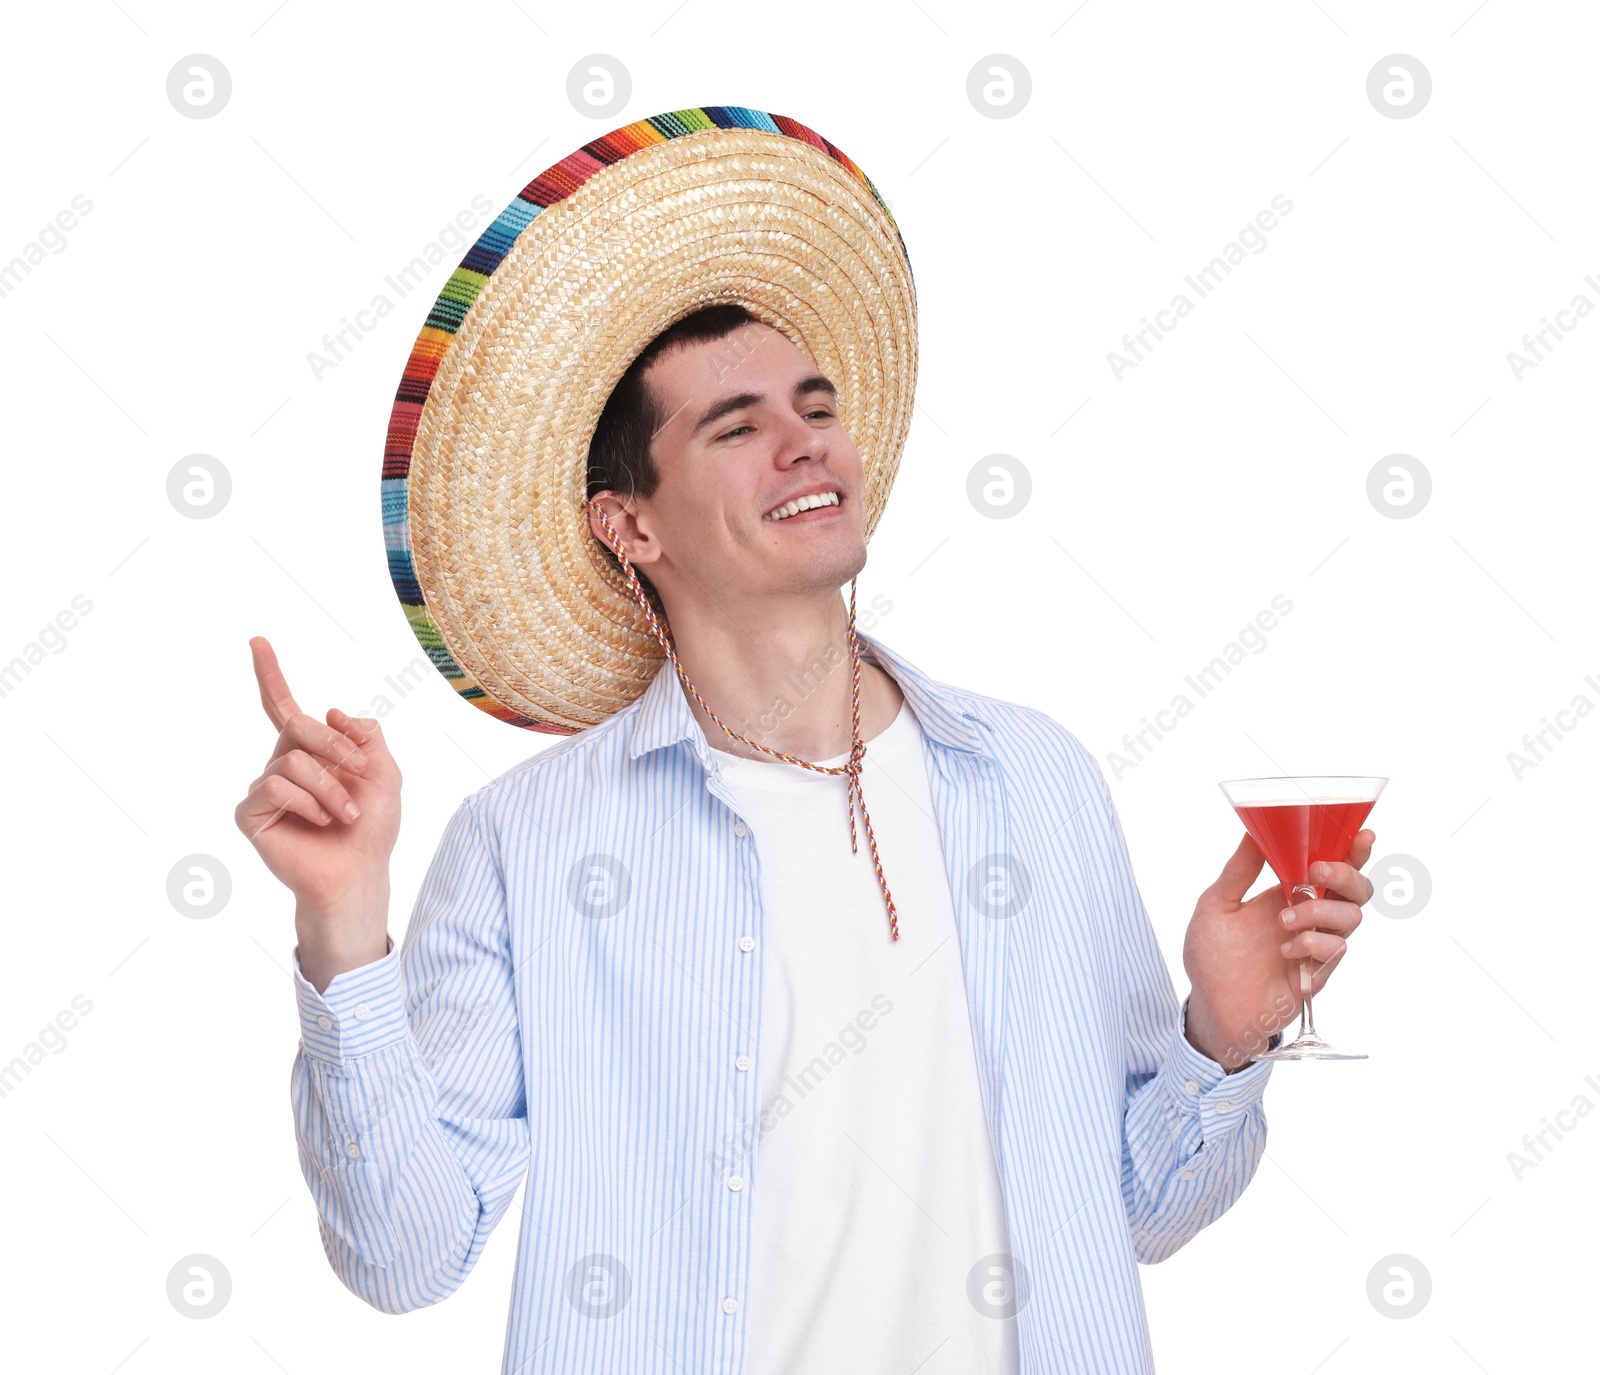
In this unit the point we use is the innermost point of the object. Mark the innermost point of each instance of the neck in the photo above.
(781, 676)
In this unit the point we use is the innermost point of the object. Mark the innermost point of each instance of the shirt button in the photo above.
(325, 1021)
(730, 1305)
(1223, 1104)
(362, 1012)
(1192, 1087)
(1186, 1174)
(736, 1182)
(740, 829)
(351, 1149)
(743, 1062)
(747, 943)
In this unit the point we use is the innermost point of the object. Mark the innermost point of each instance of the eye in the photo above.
(822, 411)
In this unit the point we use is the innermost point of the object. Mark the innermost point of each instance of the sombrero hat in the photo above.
(485, 466)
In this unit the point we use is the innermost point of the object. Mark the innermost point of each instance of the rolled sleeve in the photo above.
(362, 1010)
(1202, 1092)
(408, 1092)
(1193, 1134)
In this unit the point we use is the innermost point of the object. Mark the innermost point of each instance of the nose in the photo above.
(799, 443)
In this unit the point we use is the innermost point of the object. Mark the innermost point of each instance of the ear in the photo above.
(623, 514)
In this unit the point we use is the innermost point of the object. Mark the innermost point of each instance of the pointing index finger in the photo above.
(276, 699)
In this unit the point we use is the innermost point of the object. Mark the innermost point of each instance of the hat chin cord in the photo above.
(858, 749)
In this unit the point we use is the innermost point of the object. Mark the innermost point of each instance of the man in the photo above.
(782, 1104)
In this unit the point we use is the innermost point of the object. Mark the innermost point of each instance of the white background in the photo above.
(1168, 508)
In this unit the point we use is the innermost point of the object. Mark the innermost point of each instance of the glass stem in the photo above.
(1308, 1028)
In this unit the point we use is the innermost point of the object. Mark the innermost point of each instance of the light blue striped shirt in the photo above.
(582, 970)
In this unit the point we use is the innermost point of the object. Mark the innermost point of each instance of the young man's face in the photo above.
(752, 427)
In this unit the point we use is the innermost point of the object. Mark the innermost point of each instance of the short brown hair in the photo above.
(619, 453)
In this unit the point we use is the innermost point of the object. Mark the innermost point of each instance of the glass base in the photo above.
(1308, 1047)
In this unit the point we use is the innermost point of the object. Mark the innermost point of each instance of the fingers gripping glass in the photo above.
(1298, 822)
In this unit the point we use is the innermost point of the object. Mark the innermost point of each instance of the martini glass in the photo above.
(1297, 822)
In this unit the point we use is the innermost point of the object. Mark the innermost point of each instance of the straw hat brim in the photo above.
(485, 469)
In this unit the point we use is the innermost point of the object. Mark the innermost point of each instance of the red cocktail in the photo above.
(1295, 835)
(1298, 822)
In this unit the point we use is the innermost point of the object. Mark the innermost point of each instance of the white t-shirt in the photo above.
(876, 1187)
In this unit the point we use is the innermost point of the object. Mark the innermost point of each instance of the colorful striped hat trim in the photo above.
(552, 186)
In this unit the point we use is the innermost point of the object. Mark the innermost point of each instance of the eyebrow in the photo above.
(806, 386)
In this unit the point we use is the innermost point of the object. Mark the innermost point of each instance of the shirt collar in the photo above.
(663, 715)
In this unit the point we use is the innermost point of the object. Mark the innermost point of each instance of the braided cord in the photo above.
(858, 750)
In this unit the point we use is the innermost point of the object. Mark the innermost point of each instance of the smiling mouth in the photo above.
(802, 504)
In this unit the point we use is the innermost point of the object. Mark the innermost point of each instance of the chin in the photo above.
(841, 565)
(822, 570)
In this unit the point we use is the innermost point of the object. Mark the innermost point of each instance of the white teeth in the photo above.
(804, 504)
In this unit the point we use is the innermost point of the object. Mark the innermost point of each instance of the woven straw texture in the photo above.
(489, 547)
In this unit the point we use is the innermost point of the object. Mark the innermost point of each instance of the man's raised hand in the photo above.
(298, 816)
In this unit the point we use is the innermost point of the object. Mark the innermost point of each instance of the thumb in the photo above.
(1241, 870)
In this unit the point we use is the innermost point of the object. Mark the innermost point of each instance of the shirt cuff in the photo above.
(1199, 1085)
(362, 1009)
